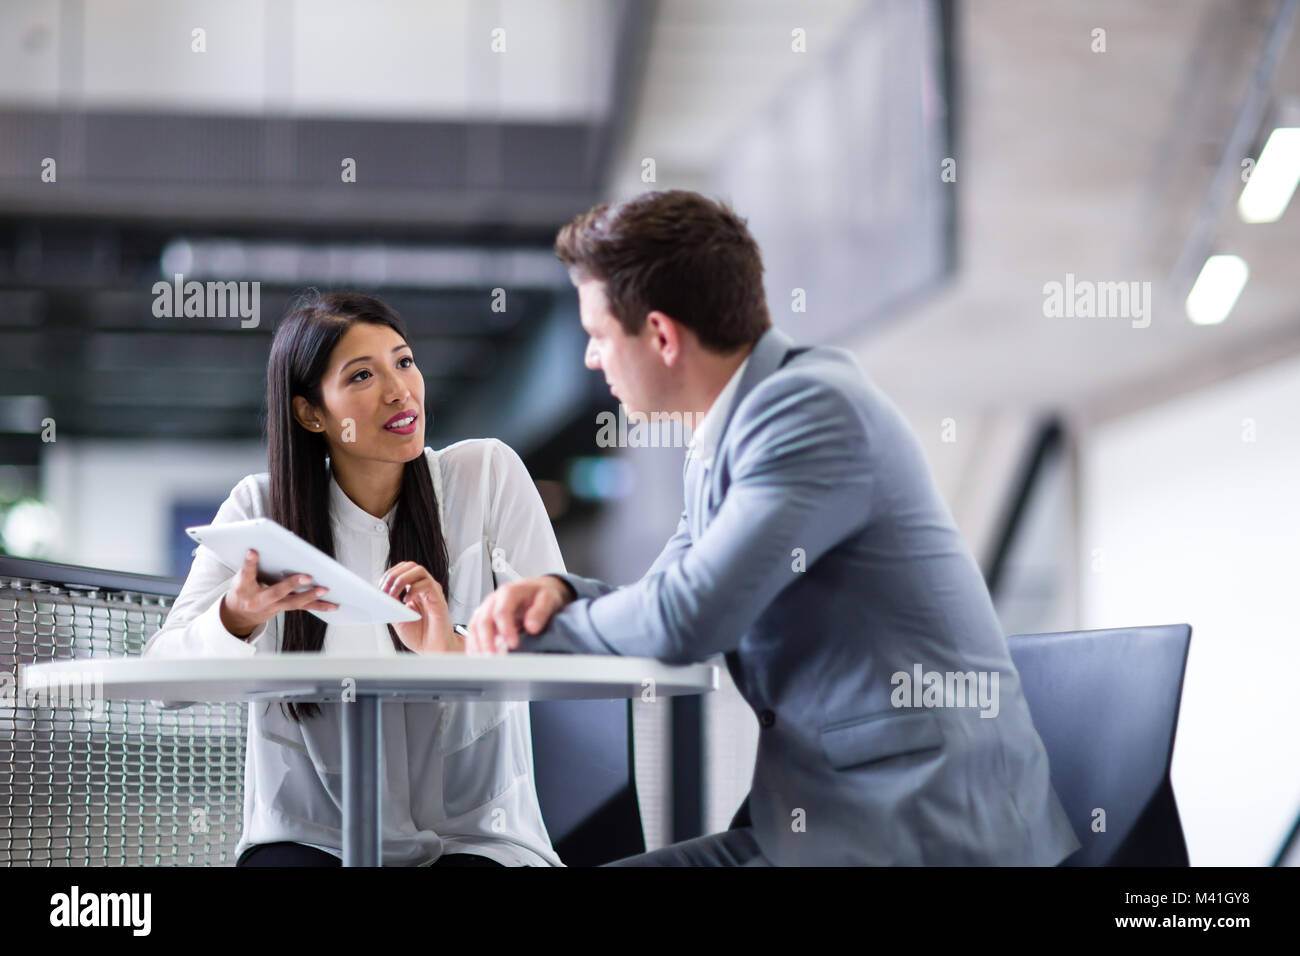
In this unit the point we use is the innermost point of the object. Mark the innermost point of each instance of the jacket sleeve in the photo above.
(193, 626)
(673, 550)
(799, 484)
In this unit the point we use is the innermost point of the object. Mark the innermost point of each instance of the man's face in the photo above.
(631, 364)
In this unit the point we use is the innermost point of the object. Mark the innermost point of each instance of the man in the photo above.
(814, 551)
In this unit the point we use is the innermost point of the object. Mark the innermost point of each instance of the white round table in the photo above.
(364, 682)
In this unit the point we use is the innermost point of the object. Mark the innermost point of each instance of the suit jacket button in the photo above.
(767, 718)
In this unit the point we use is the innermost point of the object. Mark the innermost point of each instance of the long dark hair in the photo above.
(300, 476)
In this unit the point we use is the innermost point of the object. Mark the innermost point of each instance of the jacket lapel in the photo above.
(769, 354)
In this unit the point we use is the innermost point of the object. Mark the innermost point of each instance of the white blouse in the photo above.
(458, 775)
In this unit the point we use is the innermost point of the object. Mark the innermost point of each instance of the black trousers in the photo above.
(298, 854)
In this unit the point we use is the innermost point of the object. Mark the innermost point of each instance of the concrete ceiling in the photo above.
(500, 60)
(474, 127)
(709, 69)
(1072, 161)
(1069, 161)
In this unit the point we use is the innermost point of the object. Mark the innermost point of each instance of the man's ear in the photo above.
(667, 335)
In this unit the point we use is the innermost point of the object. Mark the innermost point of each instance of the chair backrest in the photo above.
(1105, 704)
(582, 761)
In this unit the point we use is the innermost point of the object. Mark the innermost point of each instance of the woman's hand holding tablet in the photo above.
(282, 556)
(249, 603)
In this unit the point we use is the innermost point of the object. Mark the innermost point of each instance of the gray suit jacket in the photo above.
(818, 556)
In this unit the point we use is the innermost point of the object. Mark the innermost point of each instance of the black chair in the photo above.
(583, 765)
(1105, 703)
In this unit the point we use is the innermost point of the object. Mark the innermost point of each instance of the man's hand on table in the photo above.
(526, 605)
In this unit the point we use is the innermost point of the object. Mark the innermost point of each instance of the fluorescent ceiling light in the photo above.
(1216, 289)
(375, 264)
(1274, 178)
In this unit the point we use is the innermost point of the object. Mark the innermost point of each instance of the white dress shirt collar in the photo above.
(353, 516)
(704, 442)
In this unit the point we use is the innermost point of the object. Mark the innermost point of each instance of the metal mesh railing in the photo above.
(121, 783)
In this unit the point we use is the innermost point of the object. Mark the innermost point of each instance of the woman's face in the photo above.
(371, 380)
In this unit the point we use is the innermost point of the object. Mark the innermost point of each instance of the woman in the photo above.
(349, 473)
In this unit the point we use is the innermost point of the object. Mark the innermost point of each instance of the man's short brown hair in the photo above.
(681, 253)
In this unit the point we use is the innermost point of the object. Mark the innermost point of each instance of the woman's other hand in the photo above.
(415, 587)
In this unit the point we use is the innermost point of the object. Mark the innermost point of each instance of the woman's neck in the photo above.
(373, 486)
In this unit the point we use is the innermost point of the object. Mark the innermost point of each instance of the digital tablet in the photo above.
(280, 553)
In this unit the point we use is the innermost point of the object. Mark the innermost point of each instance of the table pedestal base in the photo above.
(362, 788)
